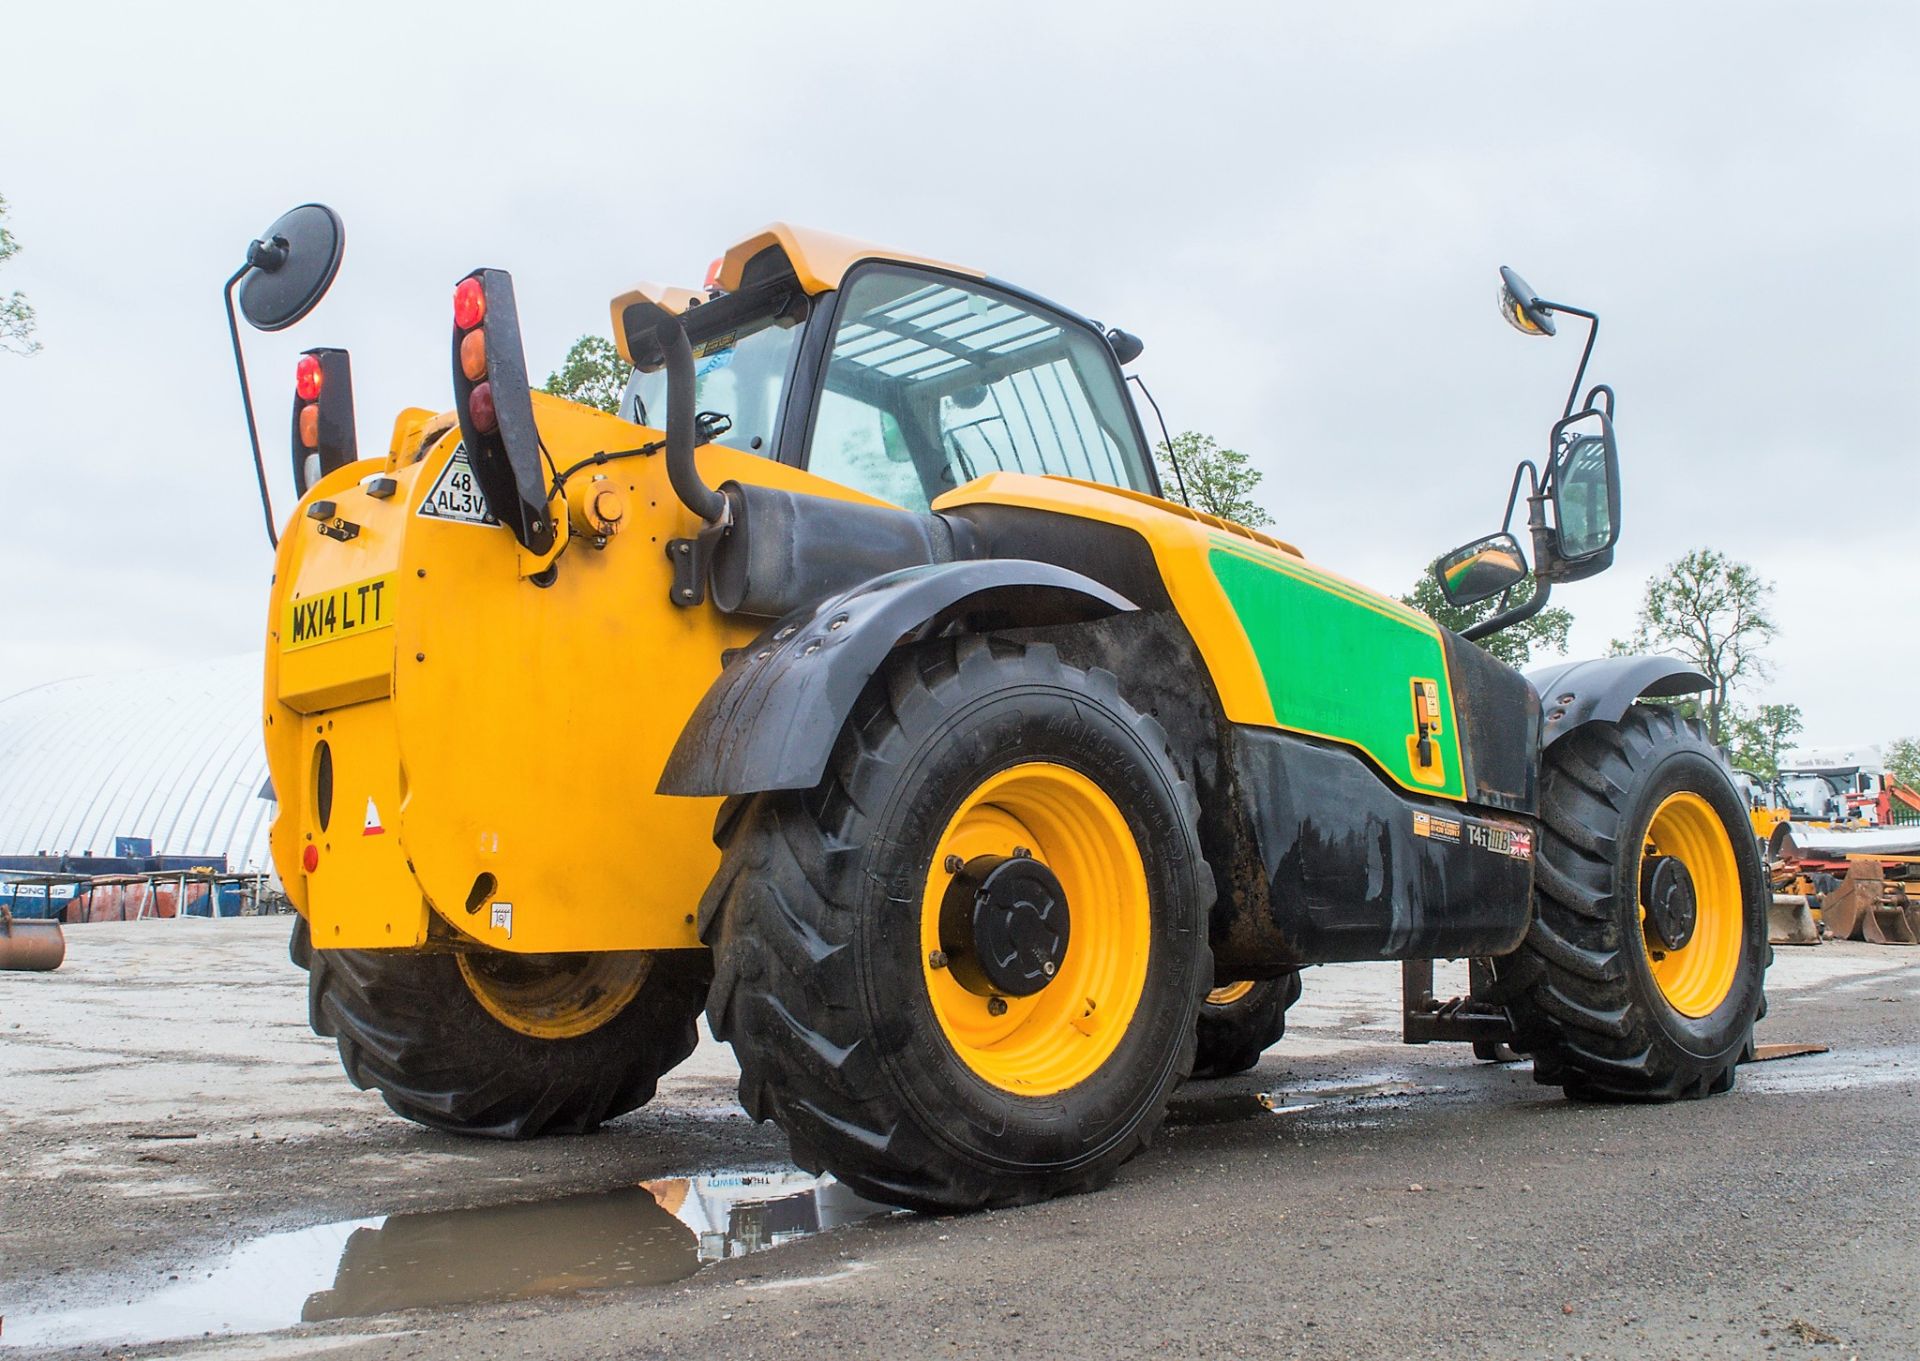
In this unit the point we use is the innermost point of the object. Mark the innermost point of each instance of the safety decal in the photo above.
(1436, 828)
(372, 827)
(1502, 839)
(503, 918)
(456, 495)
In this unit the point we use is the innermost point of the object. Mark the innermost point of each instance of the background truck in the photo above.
(858, 683)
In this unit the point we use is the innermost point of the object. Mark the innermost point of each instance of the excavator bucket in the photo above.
(31, 943)
(1867, 907)
(1790, 921)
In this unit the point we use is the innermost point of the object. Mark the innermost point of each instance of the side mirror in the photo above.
(291, 267)
(1521, 308)
(1483, 568)
(1586, 490)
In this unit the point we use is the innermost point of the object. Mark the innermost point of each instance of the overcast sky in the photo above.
(1300, 209)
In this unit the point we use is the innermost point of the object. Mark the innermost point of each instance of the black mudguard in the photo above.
(1601, 690)
(771, 719)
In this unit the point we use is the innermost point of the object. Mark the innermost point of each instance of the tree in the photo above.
(1547, 630)
(593, 374)
(1756, 739)
(1711, 611)
(16, 313)
(1218, 481)
(1902, 761)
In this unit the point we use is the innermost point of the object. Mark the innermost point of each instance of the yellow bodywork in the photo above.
(488, 726)
(493, 745)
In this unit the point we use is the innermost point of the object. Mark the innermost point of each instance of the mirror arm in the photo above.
(1513, 492)
(1519, 614)
(1593, 329)
(246, 399)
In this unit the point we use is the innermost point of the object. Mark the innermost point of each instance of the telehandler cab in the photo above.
(857, 682)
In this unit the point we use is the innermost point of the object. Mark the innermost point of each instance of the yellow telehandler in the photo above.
(858, 682)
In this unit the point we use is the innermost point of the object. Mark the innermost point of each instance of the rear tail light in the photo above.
(495, 407)
(307, 378)
(323, 434)
(469, 303)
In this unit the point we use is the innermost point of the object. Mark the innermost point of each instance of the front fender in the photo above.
(770, 720)
(1602, 689)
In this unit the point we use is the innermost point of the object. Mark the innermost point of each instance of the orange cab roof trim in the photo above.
(820, 259)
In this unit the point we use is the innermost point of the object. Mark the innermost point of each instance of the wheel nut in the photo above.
(1047, 968)
(937, 960)
(996, 1006)
(955, 864)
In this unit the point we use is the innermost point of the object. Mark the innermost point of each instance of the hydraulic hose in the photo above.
(682, 472)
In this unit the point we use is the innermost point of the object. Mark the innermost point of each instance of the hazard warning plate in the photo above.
(456, 495)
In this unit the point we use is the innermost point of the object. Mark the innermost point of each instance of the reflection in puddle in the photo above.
(651, 1234)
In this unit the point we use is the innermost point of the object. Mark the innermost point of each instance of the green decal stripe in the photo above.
(1339, 663)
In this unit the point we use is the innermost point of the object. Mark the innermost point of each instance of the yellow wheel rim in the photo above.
(1061, 1035)
(1697, 977)
(1231, 993)
(555, 997)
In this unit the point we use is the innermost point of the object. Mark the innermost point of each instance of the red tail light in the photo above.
(307, 378)
(469, 304)
(480, 408)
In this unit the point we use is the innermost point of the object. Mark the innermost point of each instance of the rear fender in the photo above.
(771, 719)
(1601, 690)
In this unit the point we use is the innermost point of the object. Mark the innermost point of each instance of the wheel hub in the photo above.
(1666, 890)
(1004, 925)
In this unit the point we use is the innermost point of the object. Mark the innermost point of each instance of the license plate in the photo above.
(358, 607)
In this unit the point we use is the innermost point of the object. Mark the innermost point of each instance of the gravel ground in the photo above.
(165, 1107)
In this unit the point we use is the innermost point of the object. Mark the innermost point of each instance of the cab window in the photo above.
(933, 382)
(740, 374)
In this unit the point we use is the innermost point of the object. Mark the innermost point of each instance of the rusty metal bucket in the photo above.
(1790, 921)
(1868, 907)
(33, 943)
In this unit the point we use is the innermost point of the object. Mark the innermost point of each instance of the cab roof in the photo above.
(817, 261)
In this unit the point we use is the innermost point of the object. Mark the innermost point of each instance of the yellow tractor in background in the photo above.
(857, 683)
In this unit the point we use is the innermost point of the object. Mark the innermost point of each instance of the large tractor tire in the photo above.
(1241, 1021)
(505, 1046)
(1643, 972)
(964, 971)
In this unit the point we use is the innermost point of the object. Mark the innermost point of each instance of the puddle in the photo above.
(654, 1233)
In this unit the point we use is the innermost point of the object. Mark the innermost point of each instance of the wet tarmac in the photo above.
(651, 1234)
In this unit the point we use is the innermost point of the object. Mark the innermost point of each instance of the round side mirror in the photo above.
(292, 266)
(1517, 306)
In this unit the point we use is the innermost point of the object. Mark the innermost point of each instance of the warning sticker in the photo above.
(456, 494)
(1435, 828)
(502, 918)
(1503, 839)
(372, 827)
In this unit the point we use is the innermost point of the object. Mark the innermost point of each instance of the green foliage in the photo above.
(1756, 739)
(1218, 481)
(1902, 761)
(1515, 646)
(16, 313)
(593, 374)
(1712, 612)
